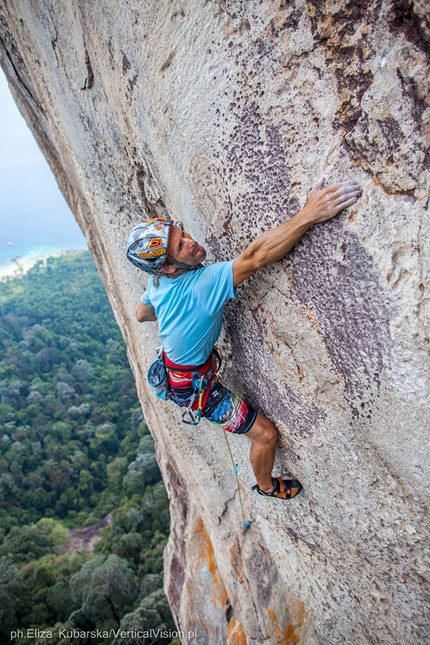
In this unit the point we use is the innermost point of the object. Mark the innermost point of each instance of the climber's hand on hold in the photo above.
(325, 203)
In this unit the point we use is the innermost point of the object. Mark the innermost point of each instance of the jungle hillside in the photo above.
(84, 515)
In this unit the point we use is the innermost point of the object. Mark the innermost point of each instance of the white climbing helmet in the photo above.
(148, 244)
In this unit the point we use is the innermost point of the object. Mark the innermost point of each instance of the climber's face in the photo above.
(184, 249)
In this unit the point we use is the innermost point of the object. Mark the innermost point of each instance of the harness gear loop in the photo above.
(199, 390)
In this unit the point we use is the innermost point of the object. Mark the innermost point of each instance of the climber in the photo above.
(187, 300)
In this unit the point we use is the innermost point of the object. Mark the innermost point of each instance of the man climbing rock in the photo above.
(187, 300)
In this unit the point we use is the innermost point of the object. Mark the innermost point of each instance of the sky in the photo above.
(35, 220)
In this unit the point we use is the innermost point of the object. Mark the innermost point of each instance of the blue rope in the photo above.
(246, 523)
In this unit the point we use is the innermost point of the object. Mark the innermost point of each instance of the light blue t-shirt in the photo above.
(190, 310)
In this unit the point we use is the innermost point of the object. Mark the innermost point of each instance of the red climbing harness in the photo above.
(190, 385)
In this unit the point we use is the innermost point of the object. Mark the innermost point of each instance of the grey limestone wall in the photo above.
(224, 114)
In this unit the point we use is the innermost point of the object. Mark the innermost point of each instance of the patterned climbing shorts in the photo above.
(220, 405)
(227, 410)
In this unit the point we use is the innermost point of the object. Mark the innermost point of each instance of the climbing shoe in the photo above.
(282, 488)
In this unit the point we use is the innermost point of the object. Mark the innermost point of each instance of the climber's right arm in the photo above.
(145, 313)
(322, 204)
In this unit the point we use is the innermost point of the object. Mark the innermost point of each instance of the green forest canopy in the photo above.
(74, 450)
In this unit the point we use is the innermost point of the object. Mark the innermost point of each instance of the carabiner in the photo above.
(195, 420)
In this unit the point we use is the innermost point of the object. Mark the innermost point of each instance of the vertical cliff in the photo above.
(223, 114)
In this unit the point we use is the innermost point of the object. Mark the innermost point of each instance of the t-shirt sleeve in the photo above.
(215, 286)
(146, 299)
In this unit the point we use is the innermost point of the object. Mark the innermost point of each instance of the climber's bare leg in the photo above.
(263, 435)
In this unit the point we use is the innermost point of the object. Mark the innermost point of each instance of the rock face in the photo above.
(223, 114)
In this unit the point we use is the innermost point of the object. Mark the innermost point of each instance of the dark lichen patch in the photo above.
(257, 162)
(352, 308)
(350, 59)
(265, 575)
(295, 538)
(165, 66)
(89, 79)
(214, 243)
(131, 83)
(257, 157)
(261, 48)
(335, 22)
(389, 150)
(404, 18)
(126, 65)
(336, 28)
(154, 207)
(291, 21)
(111, 54)
(352, 84)
(415, 94)
(347, 34)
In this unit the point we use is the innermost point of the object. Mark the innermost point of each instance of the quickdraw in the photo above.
(199, 390)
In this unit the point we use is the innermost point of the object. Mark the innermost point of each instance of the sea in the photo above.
(35, 220)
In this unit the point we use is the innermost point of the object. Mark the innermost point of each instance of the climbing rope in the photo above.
(246, 523)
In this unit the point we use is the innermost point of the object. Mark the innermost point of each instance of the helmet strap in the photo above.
(182, 268)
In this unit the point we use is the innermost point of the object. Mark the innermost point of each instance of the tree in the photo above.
(104, 587)
(143, 471)
(32, 542)
(82, 371)
(153, 613)
(10, 583)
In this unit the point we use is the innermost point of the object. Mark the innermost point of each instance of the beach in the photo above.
(13, 264)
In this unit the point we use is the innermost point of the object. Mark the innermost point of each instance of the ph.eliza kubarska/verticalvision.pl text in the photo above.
(100, 633)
